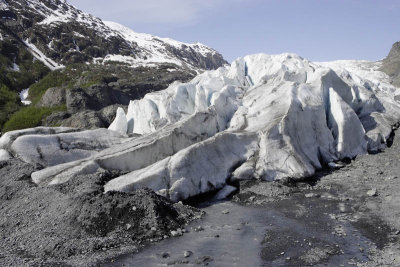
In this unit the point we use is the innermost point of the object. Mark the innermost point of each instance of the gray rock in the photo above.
(310, 195)
(177, 232)
(165, 255)
(205, 260)
(56, 119)
(88, 119)
(391, 64)
(198, 229)
(107, 114)
(187, 253)
(77, 100)
(372, 193)
(53, 97)
(99, 96)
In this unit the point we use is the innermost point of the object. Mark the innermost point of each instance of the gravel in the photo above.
(76, 223)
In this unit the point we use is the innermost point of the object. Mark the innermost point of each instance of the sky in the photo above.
(319, 30)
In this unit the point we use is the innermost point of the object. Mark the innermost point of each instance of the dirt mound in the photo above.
(76, 223)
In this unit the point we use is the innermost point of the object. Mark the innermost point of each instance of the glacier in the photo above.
(265, 117)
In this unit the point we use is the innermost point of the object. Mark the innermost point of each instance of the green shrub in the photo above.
(9, 103)
(53, 79)
(29, 70)
(28, 117)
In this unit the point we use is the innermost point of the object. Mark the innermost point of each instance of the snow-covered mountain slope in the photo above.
(153, 49)
(58, 34)
(264, 117)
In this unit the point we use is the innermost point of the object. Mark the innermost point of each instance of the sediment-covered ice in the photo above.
(50, 147)
(264, 117)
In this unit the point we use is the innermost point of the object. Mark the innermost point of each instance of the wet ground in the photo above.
(345, 217)
(282, 233)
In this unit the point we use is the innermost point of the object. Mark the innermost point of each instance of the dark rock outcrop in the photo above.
(391, 64)
(98, 102)
(89, 119)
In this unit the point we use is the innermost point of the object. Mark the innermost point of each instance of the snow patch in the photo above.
(77, 34)
(51, 64)
(15, 67)
(23, 95)
(56, 18)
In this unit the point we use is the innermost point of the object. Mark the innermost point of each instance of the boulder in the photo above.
(53, 97)
(87, 119)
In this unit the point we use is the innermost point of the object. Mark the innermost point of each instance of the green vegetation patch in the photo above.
(29, 117)
(9, 103)
(74, 75)
(30, 70)
(53, 79)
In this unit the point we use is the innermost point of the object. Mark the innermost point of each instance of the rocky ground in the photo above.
(76, 223)
(343, 217)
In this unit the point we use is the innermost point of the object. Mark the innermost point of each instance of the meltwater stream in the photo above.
(229, 235)
(235, 235)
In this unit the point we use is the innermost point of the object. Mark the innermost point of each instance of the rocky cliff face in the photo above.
(391, 64)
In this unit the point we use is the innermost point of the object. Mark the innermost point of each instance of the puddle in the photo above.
(288, 233)
(229, 239)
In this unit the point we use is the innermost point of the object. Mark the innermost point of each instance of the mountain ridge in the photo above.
(66, 35)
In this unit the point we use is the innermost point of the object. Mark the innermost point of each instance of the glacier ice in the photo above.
(224, 192)
(264, 117)
(54, 146)
(4, 155)
(120, 123)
